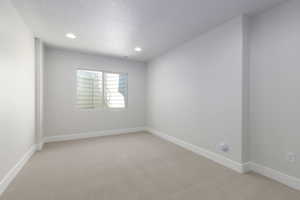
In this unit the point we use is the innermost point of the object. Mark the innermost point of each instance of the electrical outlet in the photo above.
(223, 147)
(291, 157)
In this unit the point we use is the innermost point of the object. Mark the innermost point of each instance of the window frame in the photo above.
(105, 107)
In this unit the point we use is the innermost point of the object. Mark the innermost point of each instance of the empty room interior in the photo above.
(149, 99)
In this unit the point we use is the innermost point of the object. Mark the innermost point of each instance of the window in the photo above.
(99, 89)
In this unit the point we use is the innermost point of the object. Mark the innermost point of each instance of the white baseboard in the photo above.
(92, 134)
(202, 152)
(39, 147)
(9, 177)
(285, 179)
(247, 167)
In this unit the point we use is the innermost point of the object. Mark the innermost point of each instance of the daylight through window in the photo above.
(99, 89)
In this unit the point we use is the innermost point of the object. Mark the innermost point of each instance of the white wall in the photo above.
(62, 117)
(195, 91)
(17, 78)
(39, 66)
(274, 87)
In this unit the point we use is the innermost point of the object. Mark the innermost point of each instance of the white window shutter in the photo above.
(98, 89)
(89, 89)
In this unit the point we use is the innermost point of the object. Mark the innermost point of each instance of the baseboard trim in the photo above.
(278, 176)
(247, 167)
(39, 147)
(9, 177)
(285, 179)
(92, 134)
(202, 152)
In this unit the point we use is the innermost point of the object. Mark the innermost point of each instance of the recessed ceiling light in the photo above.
(138, 49)
(71, 35)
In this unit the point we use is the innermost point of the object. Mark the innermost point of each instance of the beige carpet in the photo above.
(134, 166)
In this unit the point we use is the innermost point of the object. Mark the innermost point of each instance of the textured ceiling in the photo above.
(115, 27)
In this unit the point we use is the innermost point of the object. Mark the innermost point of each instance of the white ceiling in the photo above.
(115, 27)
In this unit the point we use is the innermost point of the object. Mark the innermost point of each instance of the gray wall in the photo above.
(274, 87)
(195, 91)
(61, 114)
(17, 78)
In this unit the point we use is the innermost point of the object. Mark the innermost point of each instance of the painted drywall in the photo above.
(245, 91)
(17, 86)
(39, 64)
(274, 87)
(62, 117)
(195, 91)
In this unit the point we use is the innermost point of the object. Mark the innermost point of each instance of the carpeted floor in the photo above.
(134, 166)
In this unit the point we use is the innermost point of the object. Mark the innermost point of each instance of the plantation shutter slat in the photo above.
(89, 89)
